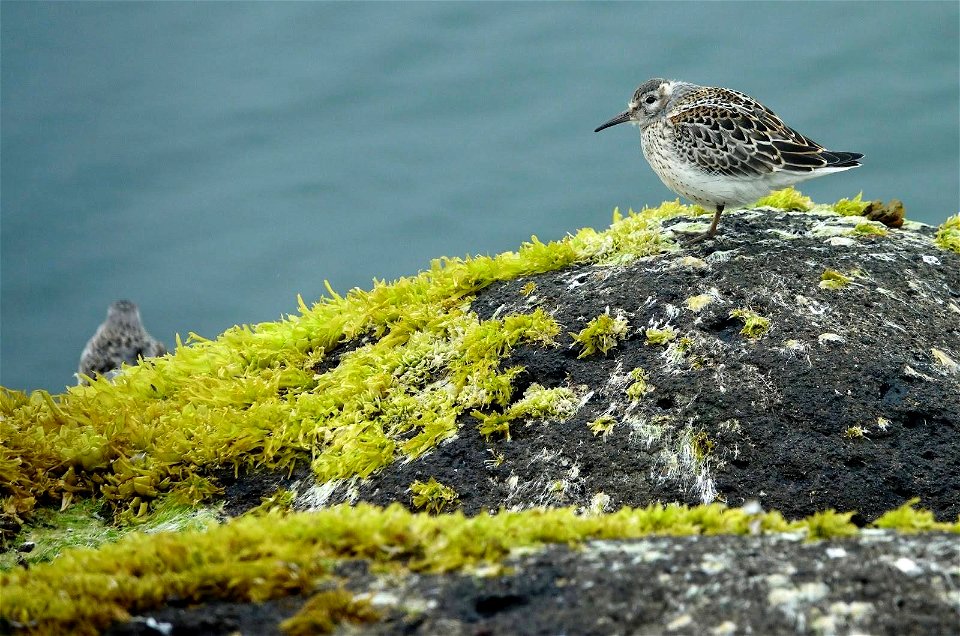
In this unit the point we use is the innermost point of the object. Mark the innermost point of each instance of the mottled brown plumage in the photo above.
(721, 148)
(121, 339)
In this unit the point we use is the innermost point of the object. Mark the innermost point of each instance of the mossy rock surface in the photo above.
(774, 410)
(489, 385)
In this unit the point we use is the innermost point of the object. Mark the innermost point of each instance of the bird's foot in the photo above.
(698, 238)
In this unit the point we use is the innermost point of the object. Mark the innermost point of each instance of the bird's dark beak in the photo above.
(619, 119)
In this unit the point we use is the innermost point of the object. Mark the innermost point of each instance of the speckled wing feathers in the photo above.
(112, 346)
(726, 132)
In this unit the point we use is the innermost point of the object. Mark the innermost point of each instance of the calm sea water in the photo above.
(210, 161)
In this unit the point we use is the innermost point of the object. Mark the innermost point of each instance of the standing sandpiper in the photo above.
(719, 148)
(120, 339)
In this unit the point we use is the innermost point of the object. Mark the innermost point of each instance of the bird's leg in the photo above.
(709, 234)
(716, 220)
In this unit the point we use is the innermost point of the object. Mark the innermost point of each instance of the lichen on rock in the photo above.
(466, 385)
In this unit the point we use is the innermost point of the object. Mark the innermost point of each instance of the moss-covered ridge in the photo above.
(263, 395)
(255, 559)
(350, 384)
(411, 359)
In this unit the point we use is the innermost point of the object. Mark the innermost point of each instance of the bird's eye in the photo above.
(649, 99)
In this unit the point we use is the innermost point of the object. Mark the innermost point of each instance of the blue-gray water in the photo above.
(210, 161)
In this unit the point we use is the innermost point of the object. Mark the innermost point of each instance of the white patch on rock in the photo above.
(714, 564)
(795, 602)
(599, 503)
(910, 372)
(842, 618)
(827, 338)
(689, 227)
(726, 628)
(840, 241)
(316, 496)
(908, 566)
(679, 622)
(689, 262)
(945, 361)
(836, 553)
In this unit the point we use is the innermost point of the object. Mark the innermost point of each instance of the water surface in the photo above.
(211, 161)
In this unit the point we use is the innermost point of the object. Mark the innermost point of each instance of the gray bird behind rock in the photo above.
(720, 148)
(120, 339)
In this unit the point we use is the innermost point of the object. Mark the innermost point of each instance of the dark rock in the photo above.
(842, 404)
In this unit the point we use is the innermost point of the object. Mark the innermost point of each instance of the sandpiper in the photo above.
(120, 339)
(720, 148)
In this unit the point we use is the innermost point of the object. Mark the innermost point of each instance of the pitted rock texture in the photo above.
(878, 583)
(849, 401)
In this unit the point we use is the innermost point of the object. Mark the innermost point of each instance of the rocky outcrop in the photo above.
(800, 362)
(846, 396)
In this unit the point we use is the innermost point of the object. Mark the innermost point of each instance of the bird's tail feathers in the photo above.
(840, 159)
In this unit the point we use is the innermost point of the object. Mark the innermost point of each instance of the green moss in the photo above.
(832, 279)
(829, 524)
(660, 336)
(348, 384)
(279, 502)
(433, 496)
(855, 432)
(869, 228)
(601, 334)
(754, 325)
(851, 207)
(85, 525)
(257, 559)
(326, 610)
(634, 236)
(640, 385)
(603, 425)
(786, 199)
(907, 518)
(537, 403)
(54, 531)
(948, 234)
(697, 303)
(702, 445)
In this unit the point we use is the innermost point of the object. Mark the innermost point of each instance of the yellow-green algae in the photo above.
(701, 444)
(250, 560)
(754, 325)
(869, 228)
(948, 234)
(603, 425)
(537, 403)
(412, 359)
(601, 334)
(82, 525)
(325, 610)
(698, 302)
(280, 502)
(855, 432)
(432, 496)
(659, 336)
(641, 384)
(851, 207)
(786, 199)
(832, 279)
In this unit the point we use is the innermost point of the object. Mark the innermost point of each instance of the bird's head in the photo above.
(123, 312)
(649, 101)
